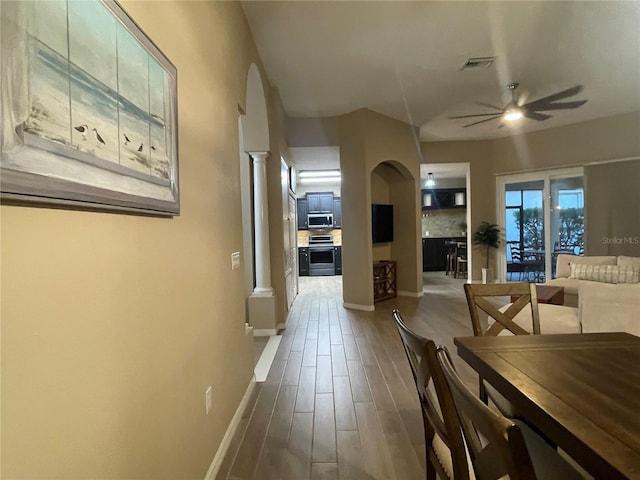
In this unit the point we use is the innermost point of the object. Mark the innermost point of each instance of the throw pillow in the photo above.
(564, 262)
(632, 261)
(605, 273)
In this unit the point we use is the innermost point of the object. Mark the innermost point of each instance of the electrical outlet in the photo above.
(235, 260)
(207, 400)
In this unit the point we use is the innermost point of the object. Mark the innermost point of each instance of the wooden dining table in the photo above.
(581, 391)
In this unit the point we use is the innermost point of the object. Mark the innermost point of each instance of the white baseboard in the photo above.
(355, 306)
(410, 294)
(281, 326)
(228, 435)
(264, 332)
(266, 359)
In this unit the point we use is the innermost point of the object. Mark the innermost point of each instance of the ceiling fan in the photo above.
(513, 110)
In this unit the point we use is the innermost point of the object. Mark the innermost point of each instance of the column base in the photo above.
(262, 311)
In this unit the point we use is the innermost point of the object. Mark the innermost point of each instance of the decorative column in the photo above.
(261, 224)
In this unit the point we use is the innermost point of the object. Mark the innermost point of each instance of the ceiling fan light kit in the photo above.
(531, 110)
(513, 114)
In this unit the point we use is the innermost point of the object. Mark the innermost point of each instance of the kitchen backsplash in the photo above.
(303, 236)
(444, 223)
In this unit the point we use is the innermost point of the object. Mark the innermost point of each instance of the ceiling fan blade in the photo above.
(569, 92)
(476, 115)
(497, 115)
(559, 106)
(535, 115)
(488, 105)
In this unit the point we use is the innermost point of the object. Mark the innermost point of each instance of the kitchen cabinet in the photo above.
(337, 259)
(303, 261)
(337, 212)
(320, 202)
(444, 198)
(434, 253)
(303, 222)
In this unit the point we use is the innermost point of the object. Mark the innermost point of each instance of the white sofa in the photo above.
(602, 306)
(571, 285)
(605, 307)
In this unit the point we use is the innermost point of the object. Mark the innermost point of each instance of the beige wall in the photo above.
(114, 325)
(612, 205)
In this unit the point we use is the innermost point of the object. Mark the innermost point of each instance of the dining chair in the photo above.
(446, 454)
(479, 300)
(499, 446)
(516, 265)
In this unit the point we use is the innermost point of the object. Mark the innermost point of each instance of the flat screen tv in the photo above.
(381, 223)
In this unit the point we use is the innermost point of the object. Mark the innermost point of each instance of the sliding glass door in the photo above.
(543, 215)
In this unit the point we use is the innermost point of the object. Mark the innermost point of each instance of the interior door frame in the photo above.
(539, 175)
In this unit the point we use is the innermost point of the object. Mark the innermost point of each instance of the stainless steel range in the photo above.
(321, 257)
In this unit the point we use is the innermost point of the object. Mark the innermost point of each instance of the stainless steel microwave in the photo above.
(320, 220)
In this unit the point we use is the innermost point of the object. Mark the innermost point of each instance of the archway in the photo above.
(254, 149)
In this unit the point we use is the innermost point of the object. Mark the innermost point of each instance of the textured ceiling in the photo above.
(404, 59)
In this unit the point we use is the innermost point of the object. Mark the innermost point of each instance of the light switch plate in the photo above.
(235, 260)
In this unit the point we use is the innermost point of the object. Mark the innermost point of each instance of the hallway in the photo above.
(339, 400)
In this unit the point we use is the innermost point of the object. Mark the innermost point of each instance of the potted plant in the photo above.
(488, 236)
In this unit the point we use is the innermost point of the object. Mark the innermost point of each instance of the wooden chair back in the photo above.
(496, 445)
(478, 300)
(438, 411)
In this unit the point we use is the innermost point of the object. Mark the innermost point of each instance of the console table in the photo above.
(384, 280)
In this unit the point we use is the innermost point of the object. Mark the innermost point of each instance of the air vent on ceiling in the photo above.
(478, 63)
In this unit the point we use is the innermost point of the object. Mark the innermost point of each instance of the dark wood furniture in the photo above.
(479, 300)
(581, 390)
(499, 446)
(438, 411)
(547, 294)
(384, 280)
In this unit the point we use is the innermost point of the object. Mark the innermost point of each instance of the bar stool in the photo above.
(451, 258)
(461, 259)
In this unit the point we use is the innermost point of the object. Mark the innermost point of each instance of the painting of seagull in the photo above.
(83, 129)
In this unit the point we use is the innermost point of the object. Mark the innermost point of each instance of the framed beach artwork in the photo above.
(89, 110)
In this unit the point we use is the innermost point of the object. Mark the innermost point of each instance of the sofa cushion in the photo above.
(605, 273)
(564, 261)
(606, 307)
(553, 319)
(631, 261)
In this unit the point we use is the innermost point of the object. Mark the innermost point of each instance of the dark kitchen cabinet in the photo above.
(303, 222)
(439, 198)
(337, 259)
(320, 202)
(434, 253)
(303, 261)
(337, 212)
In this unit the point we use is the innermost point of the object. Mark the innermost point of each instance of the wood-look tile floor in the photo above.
(339, 401)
